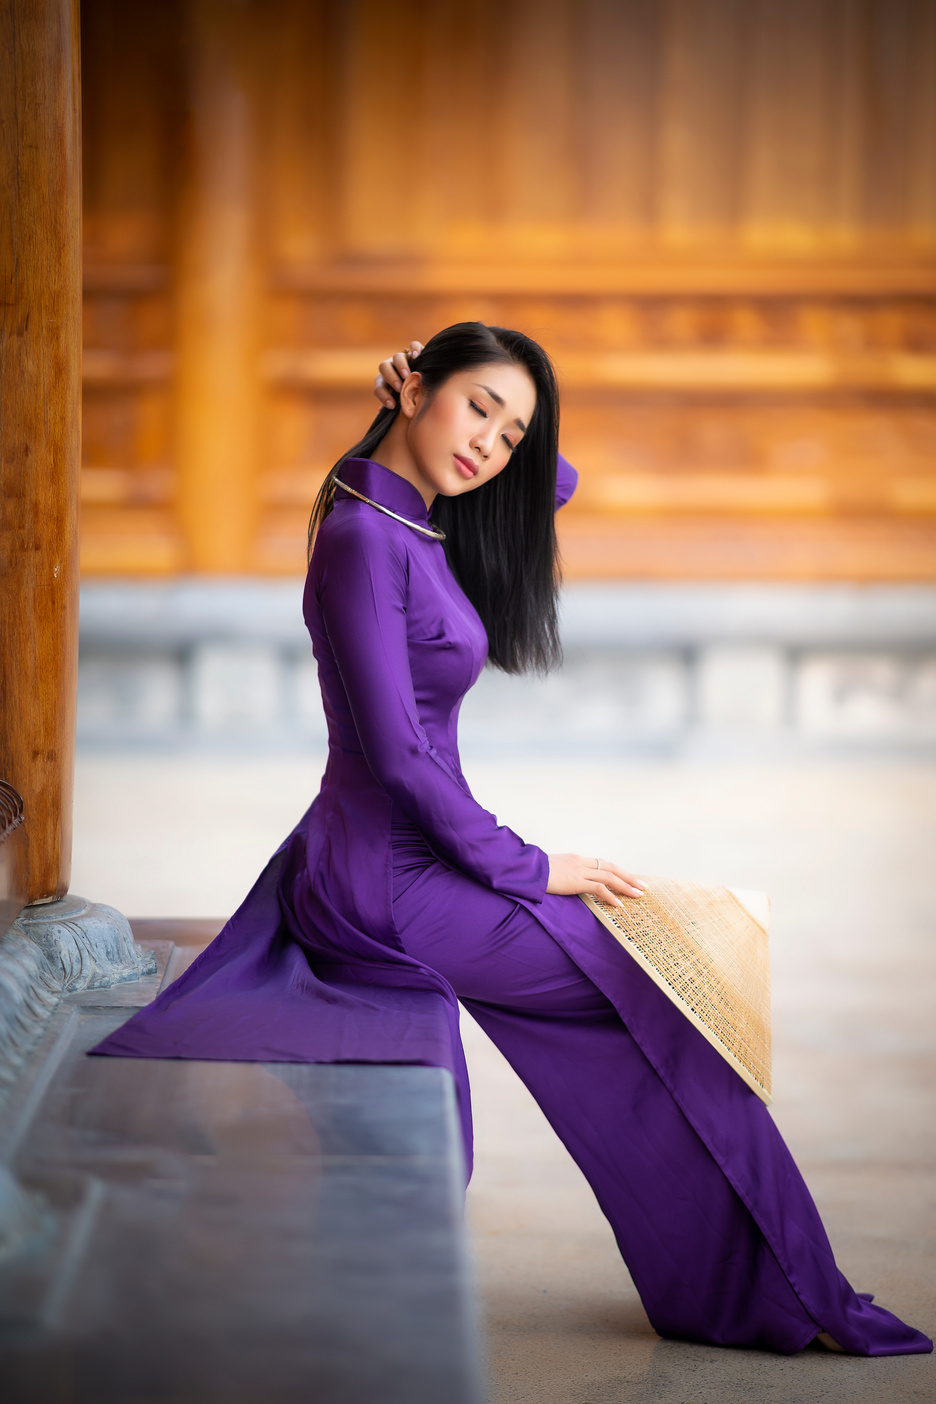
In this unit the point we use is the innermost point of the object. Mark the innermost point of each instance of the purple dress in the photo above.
(397, 895)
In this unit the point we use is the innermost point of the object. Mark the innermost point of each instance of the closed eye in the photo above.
(483, 414)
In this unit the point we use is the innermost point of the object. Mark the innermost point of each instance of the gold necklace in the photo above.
(433, 532)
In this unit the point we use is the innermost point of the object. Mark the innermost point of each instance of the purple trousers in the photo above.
(711, 1264)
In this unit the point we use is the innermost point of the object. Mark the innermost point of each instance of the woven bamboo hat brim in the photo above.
(708, 951)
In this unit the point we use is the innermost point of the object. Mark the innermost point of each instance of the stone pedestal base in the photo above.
(54, 949)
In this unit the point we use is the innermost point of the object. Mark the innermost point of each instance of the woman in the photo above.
(399, 894)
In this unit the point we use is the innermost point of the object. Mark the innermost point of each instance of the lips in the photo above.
(466, 467)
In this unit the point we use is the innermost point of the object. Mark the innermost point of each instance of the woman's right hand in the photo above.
(570, 874)
(392, 373)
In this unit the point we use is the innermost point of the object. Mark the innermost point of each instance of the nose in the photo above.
(483, 441)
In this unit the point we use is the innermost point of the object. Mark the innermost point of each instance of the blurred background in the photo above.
(719, 216)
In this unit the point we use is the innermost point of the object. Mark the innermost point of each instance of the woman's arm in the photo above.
(362, 571)
(362, 585)
(362, 589)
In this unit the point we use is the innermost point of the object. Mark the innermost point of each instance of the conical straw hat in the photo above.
(706, 948)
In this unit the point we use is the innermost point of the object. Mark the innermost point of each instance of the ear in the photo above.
(411, 394)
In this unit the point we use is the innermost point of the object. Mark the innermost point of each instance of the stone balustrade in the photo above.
(658, 667)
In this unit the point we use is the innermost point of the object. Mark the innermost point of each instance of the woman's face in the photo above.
(463, 435)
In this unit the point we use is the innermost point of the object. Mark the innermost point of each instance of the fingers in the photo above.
(388, 381)
(393, 372)
(605, 867)
(390, 372)
(616, 877)
(402, 367)
(605, 893)
(382, 392)
(571, 873)
(611, 879)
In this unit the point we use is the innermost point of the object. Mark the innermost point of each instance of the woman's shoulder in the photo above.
(355, 534)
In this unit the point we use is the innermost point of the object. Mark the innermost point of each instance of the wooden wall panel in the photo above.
(718, 215)
(132, 58)
(131, 132)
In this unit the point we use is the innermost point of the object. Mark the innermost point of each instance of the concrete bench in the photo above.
(237, 1232)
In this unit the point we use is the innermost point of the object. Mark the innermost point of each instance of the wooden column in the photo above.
(218, 290)
(40, 422)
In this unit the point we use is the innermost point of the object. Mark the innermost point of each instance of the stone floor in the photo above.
(844, 847)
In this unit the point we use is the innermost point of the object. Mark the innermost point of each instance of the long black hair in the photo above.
(500, 540)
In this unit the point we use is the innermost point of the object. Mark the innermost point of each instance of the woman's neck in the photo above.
(393, 452)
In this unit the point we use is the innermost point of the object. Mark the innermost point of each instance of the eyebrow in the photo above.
(499, 400)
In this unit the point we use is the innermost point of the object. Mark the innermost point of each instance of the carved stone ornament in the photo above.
(53, 949)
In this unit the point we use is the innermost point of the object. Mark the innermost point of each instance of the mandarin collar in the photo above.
(382, 485)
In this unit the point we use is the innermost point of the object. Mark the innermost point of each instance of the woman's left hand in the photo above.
(392, 373)
(570, 874)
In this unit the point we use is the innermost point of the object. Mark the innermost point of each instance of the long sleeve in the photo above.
(363, 585)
